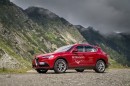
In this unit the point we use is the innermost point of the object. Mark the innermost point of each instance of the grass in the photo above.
(7, 71)
(115, 65)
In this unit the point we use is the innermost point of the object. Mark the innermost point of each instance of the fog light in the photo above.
(41, 63)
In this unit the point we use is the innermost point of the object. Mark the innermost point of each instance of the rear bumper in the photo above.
(107, 65)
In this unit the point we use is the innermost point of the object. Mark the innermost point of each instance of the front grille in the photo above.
(36, 61)
(45, 65)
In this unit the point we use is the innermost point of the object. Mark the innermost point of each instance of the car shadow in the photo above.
(73, 71)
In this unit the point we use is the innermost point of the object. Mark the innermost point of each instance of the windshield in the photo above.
(64, 48)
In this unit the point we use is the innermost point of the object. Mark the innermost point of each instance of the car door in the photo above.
(78, 57)
(90, 55)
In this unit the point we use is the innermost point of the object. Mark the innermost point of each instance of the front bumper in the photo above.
(41, 64)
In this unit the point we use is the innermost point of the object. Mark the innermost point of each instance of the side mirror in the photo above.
(75, 51)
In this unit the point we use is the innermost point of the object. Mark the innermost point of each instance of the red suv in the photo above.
(76, 56)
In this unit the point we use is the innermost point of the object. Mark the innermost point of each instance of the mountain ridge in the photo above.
(118, 43)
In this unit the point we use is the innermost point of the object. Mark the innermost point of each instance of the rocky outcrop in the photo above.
(6, 61)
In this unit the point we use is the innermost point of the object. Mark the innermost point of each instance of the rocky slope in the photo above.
(24, 33)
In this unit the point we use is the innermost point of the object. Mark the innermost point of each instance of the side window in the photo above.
(80, 48)
(90, 49)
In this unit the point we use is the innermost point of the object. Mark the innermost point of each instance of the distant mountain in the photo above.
(122, 42)
(116, 45)
(24, 33)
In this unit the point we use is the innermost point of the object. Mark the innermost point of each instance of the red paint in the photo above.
(74, 59)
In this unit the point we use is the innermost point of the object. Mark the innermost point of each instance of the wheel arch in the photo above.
(102, 60)
(63, 59)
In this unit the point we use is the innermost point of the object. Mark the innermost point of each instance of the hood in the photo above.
(41, 55)
(57, 53)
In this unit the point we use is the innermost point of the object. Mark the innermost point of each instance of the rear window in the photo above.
(90, 49)
(80, 48)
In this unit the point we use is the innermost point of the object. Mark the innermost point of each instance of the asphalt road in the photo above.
(112, 77)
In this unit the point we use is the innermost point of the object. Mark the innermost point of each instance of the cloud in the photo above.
(104, 15)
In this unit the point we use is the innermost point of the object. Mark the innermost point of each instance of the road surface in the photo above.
(112, 77)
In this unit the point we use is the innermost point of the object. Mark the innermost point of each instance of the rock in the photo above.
(9, 62)
(1, 53)
(8, 76)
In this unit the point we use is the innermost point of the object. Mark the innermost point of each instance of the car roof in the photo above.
(82, 44)
(85, 44)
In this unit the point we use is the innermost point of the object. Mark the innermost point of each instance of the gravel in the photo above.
(112, 77)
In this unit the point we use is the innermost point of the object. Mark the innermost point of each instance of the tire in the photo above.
(41, 70)
(79, 70)
(100, 66)
(60, 66)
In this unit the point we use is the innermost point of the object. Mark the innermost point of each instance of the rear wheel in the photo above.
(41, 70)
(100, 66)
(79, 70)
(60, 66)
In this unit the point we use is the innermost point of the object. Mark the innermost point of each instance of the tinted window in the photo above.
(80, 48)
(90, 49)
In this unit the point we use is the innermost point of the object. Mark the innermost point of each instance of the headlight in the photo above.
(49, 56)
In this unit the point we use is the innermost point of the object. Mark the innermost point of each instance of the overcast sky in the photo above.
(104, 15)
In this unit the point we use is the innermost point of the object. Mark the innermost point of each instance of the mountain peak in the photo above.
(79, 26)
(41, 12)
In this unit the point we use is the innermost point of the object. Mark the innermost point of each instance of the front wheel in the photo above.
(60, 66)
(79, 70)
(100, 66)
(41, 70)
